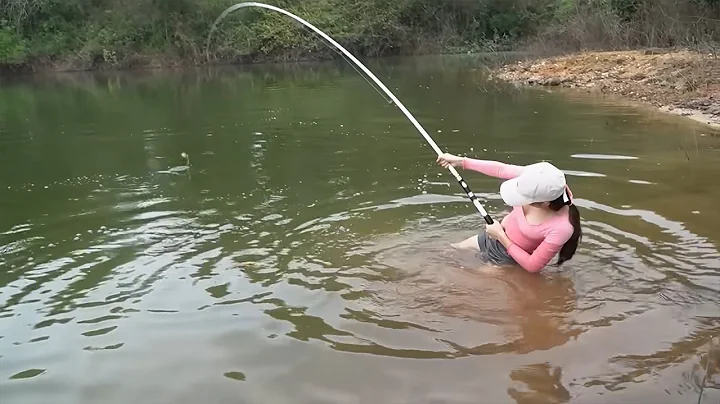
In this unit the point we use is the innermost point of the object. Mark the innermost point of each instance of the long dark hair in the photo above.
(568, 250)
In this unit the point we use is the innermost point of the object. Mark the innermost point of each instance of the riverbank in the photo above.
(110, 35)
(682, 82)
(50, 35)
(154, 62)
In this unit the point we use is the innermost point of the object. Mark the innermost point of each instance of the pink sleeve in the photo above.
(492, 168)
(543, 253)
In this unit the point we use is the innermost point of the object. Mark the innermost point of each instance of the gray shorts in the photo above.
(493, 251)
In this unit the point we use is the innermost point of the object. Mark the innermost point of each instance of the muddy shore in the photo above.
(682, 82)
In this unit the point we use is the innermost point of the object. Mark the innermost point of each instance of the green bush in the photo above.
(12, 45)
(117, 33)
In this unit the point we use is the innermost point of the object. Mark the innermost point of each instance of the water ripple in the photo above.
(309, 244)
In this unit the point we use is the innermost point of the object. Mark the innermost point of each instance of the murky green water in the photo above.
(304, 257)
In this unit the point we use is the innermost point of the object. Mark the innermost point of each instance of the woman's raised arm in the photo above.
(492, 168)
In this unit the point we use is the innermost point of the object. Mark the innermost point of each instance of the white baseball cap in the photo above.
(539, 182)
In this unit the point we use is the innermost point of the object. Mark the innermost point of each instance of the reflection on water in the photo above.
(603, 157)
(306, 255)
(514, 311)
(538, 383)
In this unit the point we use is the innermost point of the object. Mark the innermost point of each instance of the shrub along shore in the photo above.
(114, 34)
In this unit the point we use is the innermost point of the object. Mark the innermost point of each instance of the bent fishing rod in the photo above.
(471, 195)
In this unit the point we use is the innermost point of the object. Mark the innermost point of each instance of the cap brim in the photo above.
(509, 193)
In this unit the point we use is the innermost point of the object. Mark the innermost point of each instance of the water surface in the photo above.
(303, 258)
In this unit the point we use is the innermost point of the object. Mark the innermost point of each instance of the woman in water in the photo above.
(543, 221)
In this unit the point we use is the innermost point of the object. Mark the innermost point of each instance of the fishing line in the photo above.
(374, 87)
(393, 98)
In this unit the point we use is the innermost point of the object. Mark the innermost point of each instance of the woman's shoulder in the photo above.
(560, 229)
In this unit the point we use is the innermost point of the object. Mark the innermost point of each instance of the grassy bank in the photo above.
(125, 33)
(95, 34)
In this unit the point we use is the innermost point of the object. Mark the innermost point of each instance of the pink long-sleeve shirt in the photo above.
(533, 245)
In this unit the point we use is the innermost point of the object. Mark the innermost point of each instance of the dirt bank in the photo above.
(682, 82)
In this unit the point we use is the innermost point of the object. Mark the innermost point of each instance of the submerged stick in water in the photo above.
(396, 101)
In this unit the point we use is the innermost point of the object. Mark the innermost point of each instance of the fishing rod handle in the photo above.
(470, 194)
